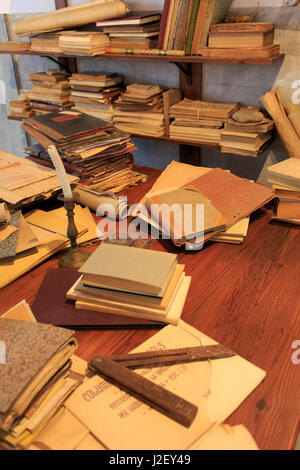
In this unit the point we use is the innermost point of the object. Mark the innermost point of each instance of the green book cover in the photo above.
(192, 25)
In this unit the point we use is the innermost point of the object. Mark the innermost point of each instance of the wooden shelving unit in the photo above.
(190, 70)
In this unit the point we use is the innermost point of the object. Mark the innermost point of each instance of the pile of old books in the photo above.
(20, 108)
(91, 149)
(35, 378)
(202, 203)
(46, 42)
(81, 43)
(242, 41)
(285, 179)
(139, 110)
(185, 24)
(50, 92)
(136, 31)
(94, 93)
(114, 280)
(199, 121)
(246, 138)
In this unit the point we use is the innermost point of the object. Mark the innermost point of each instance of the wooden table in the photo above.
(246, 297)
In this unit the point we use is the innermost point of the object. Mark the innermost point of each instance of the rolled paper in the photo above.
(93, 201)
(153, 52)
(70, 17)
(61, 172)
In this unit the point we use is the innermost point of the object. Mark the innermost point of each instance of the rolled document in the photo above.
(93, 201)
(70, 17)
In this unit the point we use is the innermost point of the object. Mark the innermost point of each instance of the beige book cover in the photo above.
(20, 311)
(121, 422)
(285, 173)
(123, 268)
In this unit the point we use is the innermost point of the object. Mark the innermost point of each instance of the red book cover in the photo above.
(163, 24)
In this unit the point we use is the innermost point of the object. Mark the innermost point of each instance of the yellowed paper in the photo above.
(121, 422)
(26, 237)
(21, 311)
(6, 231)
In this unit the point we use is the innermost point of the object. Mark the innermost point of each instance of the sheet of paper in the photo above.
(21, 311)
(53, 223)
(17, 176)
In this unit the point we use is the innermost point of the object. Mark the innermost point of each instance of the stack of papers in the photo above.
(94, 93)
(140, 110)
(199, 121)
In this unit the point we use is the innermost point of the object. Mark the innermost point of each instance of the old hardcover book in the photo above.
(285, 192)
(51, 306)
(66, 125)
(242, 53)
(123, 268)
(192, 26)
(285, 173)
(35, 352)
(210, 12)
(288, 208)
(135, 299)
(163, 24)
(239, 35)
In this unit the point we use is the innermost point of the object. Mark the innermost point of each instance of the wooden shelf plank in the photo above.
(154, 58)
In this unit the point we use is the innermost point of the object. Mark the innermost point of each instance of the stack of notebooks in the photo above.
(285, 179)
(140, 110)
(46, 42)
(133, 282)
(94, 93)
(199, 121)
(248, 139)
(140, 30)
(50, 92)
(91, 149)
(185, 24)
(242, 41)
(82, 43)
(20, 108)
(35, 378)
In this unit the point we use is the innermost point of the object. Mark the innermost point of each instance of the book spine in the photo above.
(192, 25)
(163, 24)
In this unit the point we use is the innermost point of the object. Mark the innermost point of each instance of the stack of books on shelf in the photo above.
(140, 30)
(50, 92)
(81, 43)
(199, 121)
(20, 108)
(285, 179)
(185, 24)
(46, 42)
(140, 110)
(36, 378)
(91, 149)
(114, 280)
(94, 93)
(246, 138)
(241, 41)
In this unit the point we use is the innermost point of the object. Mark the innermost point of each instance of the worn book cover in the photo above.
(66, 125)
(123, 268)
(34, 352)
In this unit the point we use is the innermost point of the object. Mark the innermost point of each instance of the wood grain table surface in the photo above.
(246, 297)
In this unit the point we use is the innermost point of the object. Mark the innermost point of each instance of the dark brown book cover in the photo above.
(51, 306)
(29, 347)
(65, 126)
